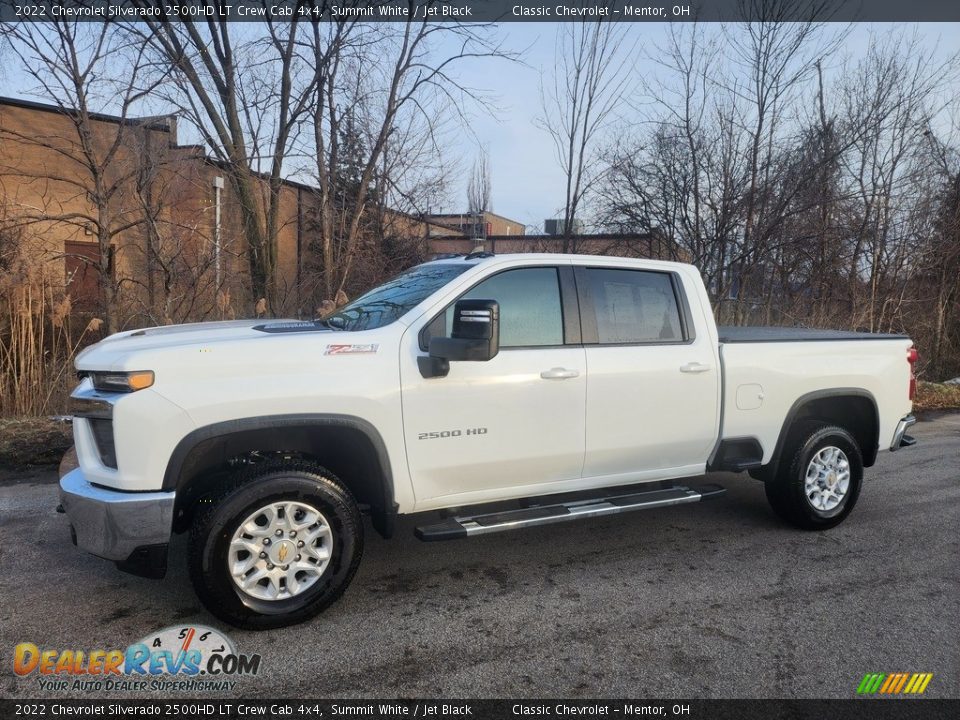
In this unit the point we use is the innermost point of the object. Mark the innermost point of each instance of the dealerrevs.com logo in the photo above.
(174, 659)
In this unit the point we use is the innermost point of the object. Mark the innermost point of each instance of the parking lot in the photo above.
(717, 599)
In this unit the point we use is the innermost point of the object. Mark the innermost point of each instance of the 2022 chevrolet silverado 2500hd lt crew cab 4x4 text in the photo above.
(507, 391)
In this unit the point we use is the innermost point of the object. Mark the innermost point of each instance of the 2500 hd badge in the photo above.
(451, 433)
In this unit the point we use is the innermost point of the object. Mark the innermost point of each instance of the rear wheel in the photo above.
(819, 479)
(276, 546)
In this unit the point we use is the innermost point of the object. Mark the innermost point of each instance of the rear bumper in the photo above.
(900, 437)
(130, 528)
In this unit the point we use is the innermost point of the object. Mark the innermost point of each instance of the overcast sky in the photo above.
(527, 182)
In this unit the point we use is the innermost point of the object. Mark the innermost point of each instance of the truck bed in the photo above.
(746, 334)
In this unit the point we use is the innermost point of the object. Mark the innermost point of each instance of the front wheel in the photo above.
(275, 547)
(819, 481)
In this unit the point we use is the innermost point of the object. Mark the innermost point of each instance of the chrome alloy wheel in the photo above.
(280, 550)
(827, 480)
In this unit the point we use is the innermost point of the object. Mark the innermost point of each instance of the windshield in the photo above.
(384, 304)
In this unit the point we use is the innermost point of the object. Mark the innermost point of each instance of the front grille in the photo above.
(103, 436)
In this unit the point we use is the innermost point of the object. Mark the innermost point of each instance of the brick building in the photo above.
(171, 225)
(476, 225)
(494, 233)
(169, 221)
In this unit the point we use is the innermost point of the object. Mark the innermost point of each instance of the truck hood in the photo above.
(109, 353)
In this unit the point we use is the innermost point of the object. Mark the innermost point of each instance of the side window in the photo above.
(530, 309)
(634, 306)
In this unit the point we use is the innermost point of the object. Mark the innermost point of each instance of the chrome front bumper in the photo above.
(900, 437)
(131, 528)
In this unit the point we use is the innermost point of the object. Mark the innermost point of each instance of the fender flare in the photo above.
(192, 447)
(869, 454)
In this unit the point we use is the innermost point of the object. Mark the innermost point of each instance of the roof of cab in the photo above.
(560, 258)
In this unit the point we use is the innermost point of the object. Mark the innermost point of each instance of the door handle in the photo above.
(694, 367)
(559, 373)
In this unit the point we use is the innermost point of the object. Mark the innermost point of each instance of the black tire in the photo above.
(214, 526)
(786, 490)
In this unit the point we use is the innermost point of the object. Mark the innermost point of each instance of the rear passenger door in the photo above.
(652, 390)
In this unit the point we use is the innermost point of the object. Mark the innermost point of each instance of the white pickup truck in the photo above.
(484, 393)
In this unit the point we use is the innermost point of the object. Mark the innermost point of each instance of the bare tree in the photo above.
(807, 191)
(479, 186)
(674, 172)
(75, 67)
(943, 269)
(592, 75)
(176, 254)
(378, 84)
(247, 94)
(703, 154)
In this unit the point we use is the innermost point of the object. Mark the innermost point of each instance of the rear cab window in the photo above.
(635, 306)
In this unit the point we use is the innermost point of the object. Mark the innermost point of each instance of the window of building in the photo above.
(81, 277)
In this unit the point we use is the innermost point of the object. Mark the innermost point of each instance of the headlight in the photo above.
(122, 381)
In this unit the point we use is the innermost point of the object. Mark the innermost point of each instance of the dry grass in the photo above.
(37, 343)
(936, 396)
(33, 441)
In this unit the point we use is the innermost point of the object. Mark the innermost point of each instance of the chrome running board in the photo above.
(467, 526)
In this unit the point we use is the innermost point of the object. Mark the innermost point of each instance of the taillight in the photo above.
(912, 357)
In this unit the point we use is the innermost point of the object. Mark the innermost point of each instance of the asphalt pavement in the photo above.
(712, 600)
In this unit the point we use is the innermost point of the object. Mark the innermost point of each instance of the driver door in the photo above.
(512, 426)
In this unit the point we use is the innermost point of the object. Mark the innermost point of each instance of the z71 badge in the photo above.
(351, 349)
(451, 433)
